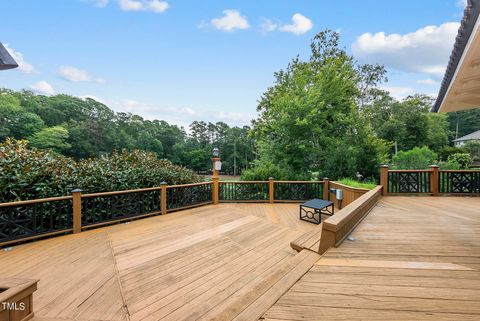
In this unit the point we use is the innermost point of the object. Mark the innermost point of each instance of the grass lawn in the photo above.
(354, 183)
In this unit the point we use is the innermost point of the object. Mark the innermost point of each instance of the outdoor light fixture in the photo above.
(6, 61)
(216, 152)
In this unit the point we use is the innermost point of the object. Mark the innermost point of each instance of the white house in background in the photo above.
(459, 142)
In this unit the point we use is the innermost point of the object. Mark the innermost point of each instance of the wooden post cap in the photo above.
(77, 190)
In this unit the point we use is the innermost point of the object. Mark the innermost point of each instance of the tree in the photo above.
(310, 120)
(54, 138)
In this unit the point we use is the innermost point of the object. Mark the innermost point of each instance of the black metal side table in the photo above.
(312, 210)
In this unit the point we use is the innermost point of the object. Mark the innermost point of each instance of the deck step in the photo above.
(309, 240)
(256, 297)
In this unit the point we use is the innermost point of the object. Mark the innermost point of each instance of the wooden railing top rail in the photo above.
(122, 192)
(429, 170)
(461, 170)
(189, 185)
(349, 188)
(409, 170)
(300, 182)
(342, 217)
(40, 200)
(244, 182)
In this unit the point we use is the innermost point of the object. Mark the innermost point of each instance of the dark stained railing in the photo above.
(112, 206)
(459, 182)
(29, 219)
(297, 191)
(188, 195)
(244, 191)
(409, 181)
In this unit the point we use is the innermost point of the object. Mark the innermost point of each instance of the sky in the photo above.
(180, 60)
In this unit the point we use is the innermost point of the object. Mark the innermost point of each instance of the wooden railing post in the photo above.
(434, 179)
(215, 179)
(77, 210)
(326, 188)
(163, 198)
(271, 189)
(384, 179)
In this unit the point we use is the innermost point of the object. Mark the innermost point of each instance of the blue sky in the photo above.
(211, 60)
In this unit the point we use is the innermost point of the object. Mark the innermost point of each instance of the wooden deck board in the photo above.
(172, 267)
(412, 258)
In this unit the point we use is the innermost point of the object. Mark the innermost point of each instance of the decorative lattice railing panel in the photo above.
(459, 182)
(105, 207)
(29, 219)
(243, 191)
(409, 181)
(298, 191)
(188, 195)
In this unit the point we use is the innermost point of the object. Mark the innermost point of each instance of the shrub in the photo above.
(30, 173)
(473, 147)
(444, 152)
(263, 172)
(462, 159)
(416, 158)
(129, 170)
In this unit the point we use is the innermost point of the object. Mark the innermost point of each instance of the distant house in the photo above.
(459, 142)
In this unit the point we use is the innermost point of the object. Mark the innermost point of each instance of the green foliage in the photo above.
(467, 121)
(407, 123)
(473, 148)
(416, 158)
(462, 159)
(310, 119)
(30, 173)
(129, 170)
(94, 130)
(54, 138)
(263, 172)
(355, 183)
(446, 151)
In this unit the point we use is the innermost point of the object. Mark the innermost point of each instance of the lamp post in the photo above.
(6, 61)
(217, 166)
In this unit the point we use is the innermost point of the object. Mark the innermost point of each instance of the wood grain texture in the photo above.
(411, 258)
(206, 262)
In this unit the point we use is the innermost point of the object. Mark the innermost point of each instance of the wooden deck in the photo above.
(412, 258)
(204, 263)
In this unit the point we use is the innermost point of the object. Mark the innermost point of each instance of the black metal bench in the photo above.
(312, 210)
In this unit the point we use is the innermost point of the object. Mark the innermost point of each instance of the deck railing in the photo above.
(431, 182)
(30, 219)
(26, 220)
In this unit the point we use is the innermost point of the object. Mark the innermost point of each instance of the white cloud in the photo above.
(231, 20)
(157, 6)
(100, 100)
(428, 81)
(73, 74)
(268, 26)
(23, 65)
(98, 3)
(300, 25)
(425, 50)
(42, 87)
(182, 116)
(399, 92)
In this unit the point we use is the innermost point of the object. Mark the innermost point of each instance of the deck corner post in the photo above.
(77, 210)
(434, 177)
(384, 179)
(326, 188)
(271, 189)
(163, 198)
